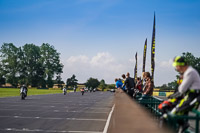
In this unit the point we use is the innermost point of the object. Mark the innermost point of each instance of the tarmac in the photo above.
(71, 113)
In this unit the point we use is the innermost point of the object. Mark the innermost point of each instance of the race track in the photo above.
(71, 113)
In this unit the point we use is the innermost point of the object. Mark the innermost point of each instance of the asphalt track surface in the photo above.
(71, 113)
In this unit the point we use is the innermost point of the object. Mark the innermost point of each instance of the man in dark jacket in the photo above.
(130, 84)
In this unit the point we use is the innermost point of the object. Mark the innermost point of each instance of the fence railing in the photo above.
(151, 103)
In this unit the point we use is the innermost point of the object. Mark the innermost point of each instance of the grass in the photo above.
(9, 92)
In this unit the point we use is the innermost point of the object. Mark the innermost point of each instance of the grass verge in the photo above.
(9, 92)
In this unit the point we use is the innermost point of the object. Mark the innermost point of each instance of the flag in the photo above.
(135, 67)
(144, 55)
(153, 49)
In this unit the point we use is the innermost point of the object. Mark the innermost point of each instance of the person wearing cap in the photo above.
(189, 88)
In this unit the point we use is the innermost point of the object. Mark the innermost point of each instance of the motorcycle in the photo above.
(167, 107)
(82, 91)
(64, 91)
(23, 93)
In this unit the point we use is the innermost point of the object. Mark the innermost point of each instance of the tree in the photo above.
(50, 60)
(92, 83)
(72, 82)
(172, 85)
(10, 61)
(102, 85)
(193, 61)
(2, 79)
(31, 65)
(111, 86)
(59, 81)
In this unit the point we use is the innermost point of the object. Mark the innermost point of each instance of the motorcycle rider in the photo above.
(167, 106)
(65, 90)
(82, 91)
(25, 88)
(189, 88)
(74, 89)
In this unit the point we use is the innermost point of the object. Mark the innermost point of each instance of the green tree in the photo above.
(111, 86)
(31, 65)
(59, 81)
(102, 85)
(2, 79)
(192, 60)
(50, 60)
(92, 83)
(72, 82)
(9, 63)
(172, 85)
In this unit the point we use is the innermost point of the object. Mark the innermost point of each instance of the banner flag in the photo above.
(153, 49)
(144, 55)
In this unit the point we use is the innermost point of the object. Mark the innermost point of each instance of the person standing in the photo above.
(139, 84)
(123, 81)
(130, 85)
(149, 85)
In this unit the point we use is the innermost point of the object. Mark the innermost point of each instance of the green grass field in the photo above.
(9, 92)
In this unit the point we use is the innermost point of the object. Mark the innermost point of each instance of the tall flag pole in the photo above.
(153, 48)
(135, 67)
(144, 55)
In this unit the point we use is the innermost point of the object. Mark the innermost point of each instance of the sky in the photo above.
(99, 38)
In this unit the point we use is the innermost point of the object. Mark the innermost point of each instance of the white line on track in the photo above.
(108, 120)
(51, 106)
(51, 118)
(46, 131)
(59, 111)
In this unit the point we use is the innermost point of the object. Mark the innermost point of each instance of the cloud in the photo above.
(105, 66)
(166, 64)
(80, 58)
(102, 66)
(102, 59)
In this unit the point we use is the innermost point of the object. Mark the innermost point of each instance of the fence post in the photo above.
(197, 123)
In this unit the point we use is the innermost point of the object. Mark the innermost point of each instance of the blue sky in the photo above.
(99, 38)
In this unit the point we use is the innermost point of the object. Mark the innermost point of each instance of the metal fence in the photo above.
(151, 103)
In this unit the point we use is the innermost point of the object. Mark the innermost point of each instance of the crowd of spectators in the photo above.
(133, 86)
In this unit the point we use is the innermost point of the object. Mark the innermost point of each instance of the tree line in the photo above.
(30, 64)
(37, 66)
(90, 83)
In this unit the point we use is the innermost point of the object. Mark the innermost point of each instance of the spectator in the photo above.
(148, 88)
(143, 82)
(130, 84)
(123, 80)
(119, 83)
(139, 84)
